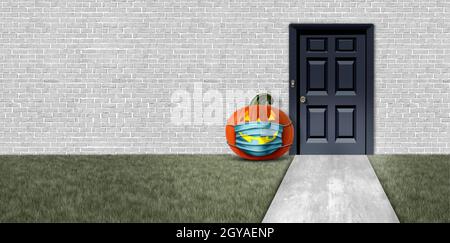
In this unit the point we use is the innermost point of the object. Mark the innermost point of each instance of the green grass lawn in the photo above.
(137, 188)
(418, 186)
(191, 188)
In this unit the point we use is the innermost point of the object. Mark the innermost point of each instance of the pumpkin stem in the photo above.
(262, 99)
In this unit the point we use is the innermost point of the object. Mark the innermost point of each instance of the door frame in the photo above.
(297, 29)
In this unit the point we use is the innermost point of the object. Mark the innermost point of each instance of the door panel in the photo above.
(317, 44)
(317, 122)
(345, 75)
(332, 79)
(317, 75)
(345, 44)
(345, 122)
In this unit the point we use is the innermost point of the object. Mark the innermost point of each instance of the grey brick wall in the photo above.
(97, 76)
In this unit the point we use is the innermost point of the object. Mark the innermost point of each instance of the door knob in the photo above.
(302, 99)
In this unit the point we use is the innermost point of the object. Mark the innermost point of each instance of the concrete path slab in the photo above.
(328, 189)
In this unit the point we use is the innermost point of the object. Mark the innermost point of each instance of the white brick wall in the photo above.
(95, 76)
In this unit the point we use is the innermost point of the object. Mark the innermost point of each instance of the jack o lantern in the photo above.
(259, 131)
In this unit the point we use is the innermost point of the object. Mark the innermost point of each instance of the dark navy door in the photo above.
(332, 93)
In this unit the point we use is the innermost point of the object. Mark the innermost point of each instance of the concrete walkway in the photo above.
(330, 188)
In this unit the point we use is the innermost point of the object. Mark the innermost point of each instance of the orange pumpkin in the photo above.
(263, 113)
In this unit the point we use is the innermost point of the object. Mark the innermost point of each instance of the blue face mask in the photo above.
(258, 138)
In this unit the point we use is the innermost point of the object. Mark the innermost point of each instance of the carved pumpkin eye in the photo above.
(247, 117)
(272, 117)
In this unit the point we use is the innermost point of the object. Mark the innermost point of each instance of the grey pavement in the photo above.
(330, 189)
